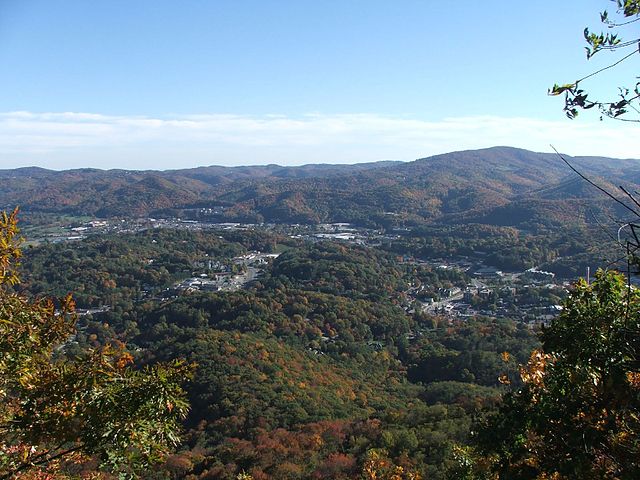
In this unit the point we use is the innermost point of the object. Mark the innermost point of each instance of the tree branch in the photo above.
(608, 67)
(588, 180)
(40, 461)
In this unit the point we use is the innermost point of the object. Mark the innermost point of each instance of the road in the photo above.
(442, 303)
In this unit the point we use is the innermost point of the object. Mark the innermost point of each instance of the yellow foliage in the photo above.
(634, 379)
(378, 466)
(534, 371)
(9, 248)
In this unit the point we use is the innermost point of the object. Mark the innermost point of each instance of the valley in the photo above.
(319, 240)
(372, 311)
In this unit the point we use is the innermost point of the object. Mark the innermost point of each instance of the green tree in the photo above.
(627, 104)
(577, 414)
(55, 410)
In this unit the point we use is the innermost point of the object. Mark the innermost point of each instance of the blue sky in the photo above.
(171, 84)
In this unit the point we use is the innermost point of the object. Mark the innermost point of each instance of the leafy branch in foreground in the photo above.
(55, 411)
(577, 414)
(626, 106)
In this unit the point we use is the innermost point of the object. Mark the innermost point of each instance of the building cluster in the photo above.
(527, 295)
(250, 266)
(530, 296)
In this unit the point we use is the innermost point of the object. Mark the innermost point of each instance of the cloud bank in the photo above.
(73, 140)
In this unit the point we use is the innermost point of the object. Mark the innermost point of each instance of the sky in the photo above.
(164, 84)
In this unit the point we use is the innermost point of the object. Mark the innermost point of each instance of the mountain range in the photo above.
(499, 185)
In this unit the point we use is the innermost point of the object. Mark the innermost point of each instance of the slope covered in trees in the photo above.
(59, 412)
(493, 186)
(320, 366)
(314, 370)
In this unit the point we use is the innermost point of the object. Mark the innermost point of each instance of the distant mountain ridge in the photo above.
(472, 185)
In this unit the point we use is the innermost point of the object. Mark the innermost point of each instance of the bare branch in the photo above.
(588, 180)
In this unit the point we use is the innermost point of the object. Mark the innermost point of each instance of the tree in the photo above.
(378, 466)
(626, 108)
(55, 410)
(627, 104)
(577, 414)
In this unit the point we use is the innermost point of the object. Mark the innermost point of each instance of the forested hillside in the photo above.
(309, 371)
(321, 350)
(504, 186)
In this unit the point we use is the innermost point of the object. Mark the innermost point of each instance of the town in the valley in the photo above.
(532, 296)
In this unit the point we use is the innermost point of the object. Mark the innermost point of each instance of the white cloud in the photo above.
(70, 140)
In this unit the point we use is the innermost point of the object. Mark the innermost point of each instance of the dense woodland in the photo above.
(327, 359)
(324, 366)
(497, 186)
(308, 371)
